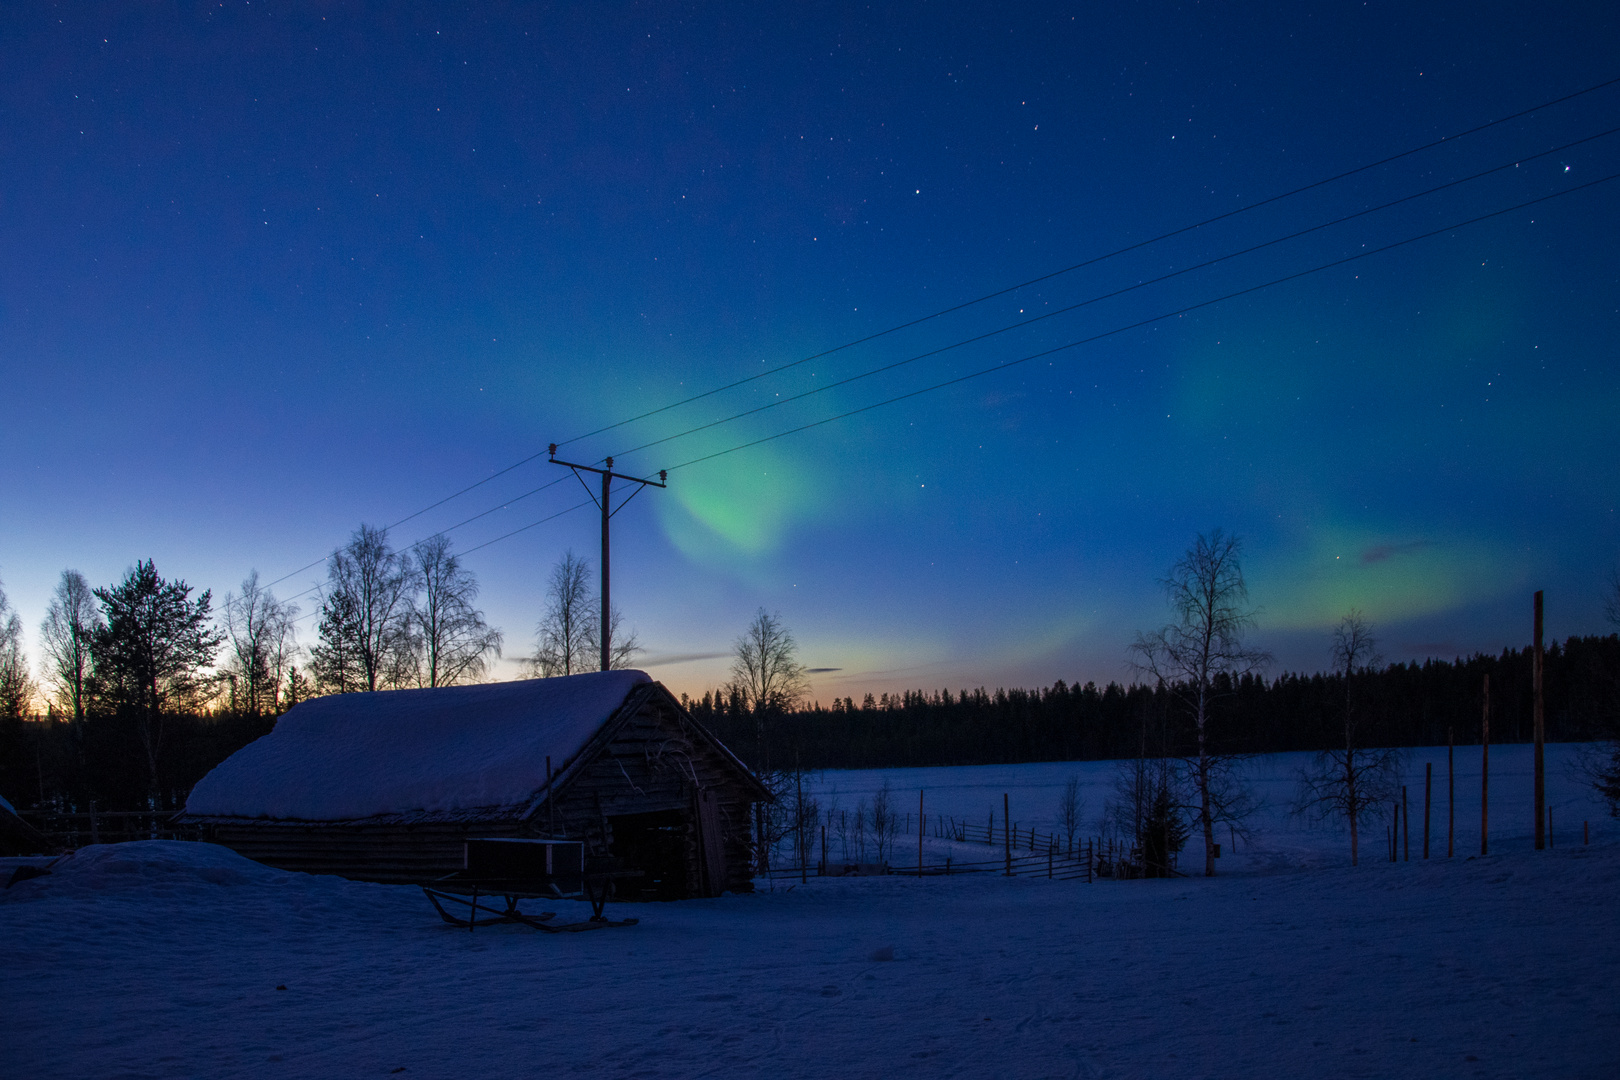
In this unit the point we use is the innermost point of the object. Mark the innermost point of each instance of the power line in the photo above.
(1063, 348)
(1093, 261)
(1147, 322)
(1109, 295)
(485, 544)
(979, 300)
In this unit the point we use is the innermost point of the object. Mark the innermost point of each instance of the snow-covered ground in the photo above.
(1280, 840)
(162, 959)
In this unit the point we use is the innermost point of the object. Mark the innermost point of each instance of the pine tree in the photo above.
(151, 659)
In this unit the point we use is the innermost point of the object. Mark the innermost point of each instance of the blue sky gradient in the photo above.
(269, 271)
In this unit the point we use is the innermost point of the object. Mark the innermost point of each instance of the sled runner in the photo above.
(517, 870)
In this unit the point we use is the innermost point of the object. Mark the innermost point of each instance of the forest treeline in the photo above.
(1405, 704)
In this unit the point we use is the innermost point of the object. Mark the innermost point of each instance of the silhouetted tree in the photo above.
(335, 660)
(564, 641)
(65, 636)
(623, 647)
(455, 640)
(260, 642)
(1196, 656)
(151, 658)
(376, 585)
(1349, 782)
(767, 677)
(16, 687)
(1605, 769)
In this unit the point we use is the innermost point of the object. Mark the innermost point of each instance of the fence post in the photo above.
(1451, 791)
(1406, 824)
(1428, 777)
(920, 821)
(1006, 831)
(1485, 772)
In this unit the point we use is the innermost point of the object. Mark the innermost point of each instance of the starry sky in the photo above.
(271, 270)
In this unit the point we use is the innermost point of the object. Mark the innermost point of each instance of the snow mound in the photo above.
(142, 863)
(354, 756)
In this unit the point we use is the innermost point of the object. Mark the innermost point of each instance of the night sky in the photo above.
(268, 271)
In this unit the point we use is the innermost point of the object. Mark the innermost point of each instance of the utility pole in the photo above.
(604, 504)
(1540, 735)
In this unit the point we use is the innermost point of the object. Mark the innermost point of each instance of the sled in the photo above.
(516, 870)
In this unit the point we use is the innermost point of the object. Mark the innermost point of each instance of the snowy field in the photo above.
(164, 959)
(1279, 839)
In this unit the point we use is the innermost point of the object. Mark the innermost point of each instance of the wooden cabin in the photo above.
(387, 786)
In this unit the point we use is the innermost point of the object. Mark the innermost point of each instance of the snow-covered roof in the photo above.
(352, 756)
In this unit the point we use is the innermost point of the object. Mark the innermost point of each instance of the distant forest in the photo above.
(1399, 705)
(54, 762)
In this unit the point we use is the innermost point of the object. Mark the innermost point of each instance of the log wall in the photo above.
(652, 757)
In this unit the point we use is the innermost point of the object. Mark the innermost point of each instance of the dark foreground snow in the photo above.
(163, 959)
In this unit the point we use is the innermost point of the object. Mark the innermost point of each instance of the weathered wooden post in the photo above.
(804, 856)
(1428, 779)
(1485, 772)
(1006, 831)
(1406, 825)
(1451, 791)
(1540, 730)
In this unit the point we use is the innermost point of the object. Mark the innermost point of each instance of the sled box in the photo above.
(551, 862)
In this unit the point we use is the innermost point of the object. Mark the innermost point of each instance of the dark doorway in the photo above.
(656, 844)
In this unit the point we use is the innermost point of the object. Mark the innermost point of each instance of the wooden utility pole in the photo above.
(604, 504)
(1541, 734)
(1485, 772)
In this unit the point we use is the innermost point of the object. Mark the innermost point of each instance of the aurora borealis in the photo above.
(268, 271)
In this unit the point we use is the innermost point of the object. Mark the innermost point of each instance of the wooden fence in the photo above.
(77, 829)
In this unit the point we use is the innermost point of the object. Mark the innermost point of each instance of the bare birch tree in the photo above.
(16, 685)
(565, 639)
(1071, 810)
(767, 676)
(456, 641)
(65, 637)
(260, 641)
(366, 607)
(1350, 783)
(625, 647)
(1601, 763)
(1187, 657)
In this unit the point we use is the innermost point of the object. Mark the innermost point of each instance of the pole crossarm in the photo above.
(662, 481)
(605, 504)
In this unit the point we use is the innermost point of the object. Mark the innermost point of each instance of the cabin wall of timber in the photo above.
(388, 853)
(655, 761)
